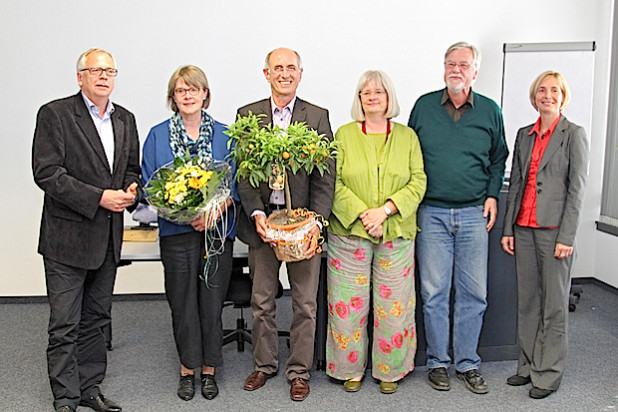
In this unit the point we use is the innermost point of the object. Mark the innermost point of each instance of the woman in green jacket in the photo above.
(380, 183)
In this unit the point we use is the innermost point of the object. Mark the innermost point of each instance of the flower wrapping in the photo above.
(185, 188)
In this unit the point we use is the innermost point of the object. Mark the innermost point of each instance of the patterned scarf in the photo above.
(180, 142)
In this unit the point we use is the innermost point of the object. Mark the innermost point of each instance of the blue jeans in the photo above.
(452, 250)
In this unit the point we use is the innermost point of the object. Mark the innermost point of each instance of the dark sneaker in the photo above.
(474, 381)
(439, 379)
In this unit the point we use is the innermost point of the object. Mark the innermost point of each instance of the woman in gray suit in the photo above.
(546, 193)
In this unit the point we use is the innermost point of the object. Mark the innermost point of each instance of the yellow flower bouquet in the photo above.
(183, 189)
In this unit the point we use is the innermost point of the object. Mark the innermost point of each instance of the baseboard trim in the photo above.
(596, 282)
(487, 354)
(115, 298)
(286, 292)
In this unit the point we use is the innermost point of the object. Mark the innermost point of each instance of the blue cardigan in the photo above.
(157, 152)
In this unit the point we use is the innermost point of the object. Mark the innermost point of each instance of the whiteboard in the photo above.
(523, 62)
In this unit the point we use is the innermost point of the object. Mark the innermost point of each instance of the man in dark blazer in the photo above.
(85, 157)
(283, 70)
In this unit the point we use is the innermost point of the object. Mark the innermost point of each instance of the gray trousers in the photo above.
(543, 284)
(304, 278)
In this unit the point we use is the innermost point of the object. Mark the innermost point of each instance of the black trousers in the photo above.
(196, 305)
(80, 302)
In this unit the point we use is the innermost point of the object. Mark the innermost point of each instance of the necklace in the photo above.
(388, 129)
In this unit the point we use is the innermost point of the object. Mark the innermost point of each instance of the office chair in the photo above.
(239, 296)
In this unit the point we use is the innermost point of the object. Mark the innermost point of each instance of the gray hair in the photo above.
(476, 54)
(81, 61)
(267, 60)
(380, 78)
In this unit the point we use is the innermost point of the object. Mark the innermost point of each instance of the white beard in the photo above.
(455, 88)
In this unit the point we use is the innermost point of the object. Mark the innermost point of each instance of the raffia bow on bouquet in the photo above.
(184, 189)
(269, 154)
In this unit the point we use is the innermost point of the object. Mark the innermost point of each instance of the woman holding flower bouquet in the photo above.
(380, 183)
(195, 297)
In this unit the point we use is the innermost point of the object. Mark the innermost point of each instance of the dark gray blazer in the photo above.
(313, 192)
(560, 181)
(69, 164)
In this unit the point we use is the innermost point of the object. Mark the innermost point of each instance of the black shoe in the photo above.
(518, 380)
(186, 387)
(439, 379)
(65, 408)
(209, 386)
(538, 393)
(474, 381)
(100, 404)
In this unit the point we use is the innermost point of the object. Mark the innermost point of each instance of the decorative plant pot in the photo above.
(294, 241)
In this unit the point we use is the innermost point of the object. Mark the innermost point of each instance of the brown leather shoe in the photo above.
(256, 380)
(299, 389)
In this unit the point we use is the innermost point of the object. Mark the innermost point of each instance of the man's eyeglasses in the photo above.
(289, 69)
(96, 71)
(193, 91)
(451, 65)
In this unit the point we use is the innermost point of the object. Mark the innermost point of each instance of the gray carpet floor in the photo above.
(143, 368)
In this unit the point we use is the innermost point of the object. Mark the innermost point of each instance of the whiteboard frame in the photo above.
(576, 104)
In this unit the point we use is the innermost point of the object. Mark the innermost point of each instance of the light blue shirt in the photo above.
(104, 128)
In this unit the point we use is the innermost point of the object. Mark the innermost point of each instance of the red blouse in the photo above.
(527, 211)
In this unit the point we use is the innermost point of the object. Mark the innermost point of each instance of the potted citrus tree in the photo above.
(269, 154)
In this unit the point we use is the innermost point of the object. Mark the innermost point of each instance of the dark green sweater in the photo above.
(464, 160)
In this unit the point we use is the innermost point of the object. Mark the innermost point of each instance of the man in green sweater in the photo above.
(462, 139)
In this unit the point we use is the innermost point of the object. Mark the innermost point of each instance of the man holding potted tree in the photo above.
(314, 191)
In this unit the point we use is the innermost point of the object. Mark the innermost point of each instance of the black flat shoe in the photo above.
(186, 387)
(518, 380)
(538, 393)
(209, 386)
(100, 404)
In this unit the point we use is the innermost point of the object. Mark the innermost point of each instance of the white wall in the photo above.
(40, 41)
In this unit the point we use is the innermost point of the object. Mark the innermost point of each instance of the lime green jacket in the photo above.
(360, 184)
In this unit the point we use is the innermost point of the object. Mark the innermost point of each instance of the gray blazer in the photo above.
(313, 192)
(560, 181)
(69, 164)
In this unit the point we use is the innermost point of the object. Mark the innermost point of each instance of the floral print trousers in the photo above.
(353, 263)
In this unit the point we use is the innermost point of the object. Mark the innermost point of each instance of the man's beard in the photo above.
(455, 88)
